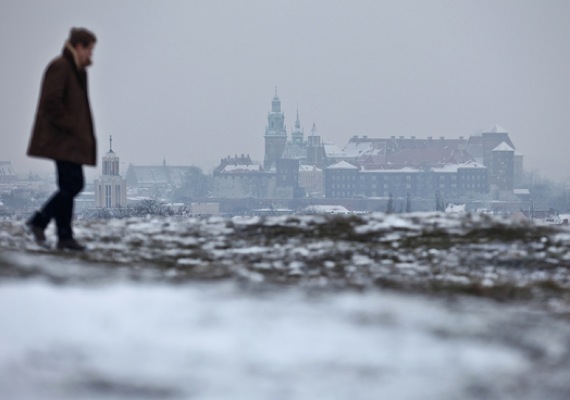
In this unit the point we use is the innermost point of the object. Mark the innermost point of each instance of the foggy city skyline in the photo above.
(192, 81)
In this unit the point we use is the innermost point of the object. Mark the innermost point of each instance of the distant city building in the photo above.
(110, 188)
(287, 182)
(372, 167)
(275, 134)
(345, 180)
(495, 150)
(503, 167)
(311, 179)
(404, 152)
(315, 149)
(156, 180)
(239, 177)
(7, 174)
(399, 165)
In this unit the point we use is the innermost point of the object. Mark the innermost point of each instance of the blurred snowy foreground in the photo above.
(412, 306)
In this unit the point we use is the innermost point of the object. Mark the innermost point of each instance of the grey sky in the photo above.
(192, 81)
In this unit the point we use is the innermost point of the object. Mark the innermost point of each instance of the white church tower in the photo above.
(110, 188)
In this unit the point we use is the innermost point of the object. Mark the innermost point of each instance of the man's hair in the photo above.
(81, 36)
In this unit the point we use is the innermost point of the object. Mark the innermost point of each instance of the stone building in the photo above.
(7, 174)
(239, 177)
(345, 180)
(110, 188)
(275, 134)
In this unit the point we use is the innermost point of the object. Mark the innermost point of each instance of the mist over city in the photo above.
(289, 199)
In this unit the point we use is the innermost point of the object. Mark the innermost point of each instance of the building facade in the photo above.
(110, 188)
(374, 167)
(7, 174)
(345, 180)
(239, 177)
(275, 134)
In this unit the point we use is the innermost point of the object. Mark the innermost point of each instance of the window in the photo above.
(108, 196)
(118, 195)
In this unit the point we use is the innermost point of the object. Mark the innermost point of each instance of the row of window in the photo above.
(454, 177)
(387, 186)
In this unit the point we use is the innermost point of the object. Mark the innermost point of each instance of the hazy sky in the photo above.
(192, 81)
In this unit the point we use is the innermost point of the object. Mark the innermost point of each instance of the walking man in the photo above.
(63, 131)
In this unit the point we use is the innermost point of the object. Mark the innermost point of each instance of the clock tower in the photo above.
(275, 134)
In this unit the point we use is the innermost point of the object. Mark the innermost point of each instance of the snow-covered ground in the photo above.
(429, 306)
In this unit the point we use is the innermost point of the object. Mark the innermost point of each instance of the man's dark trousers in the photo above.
(60, 206)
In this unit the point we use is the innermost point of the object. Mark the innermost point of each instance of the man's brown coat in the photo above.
(63, 128)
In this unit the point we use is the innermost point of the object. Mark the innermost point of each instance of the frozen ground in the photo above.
(426, 306)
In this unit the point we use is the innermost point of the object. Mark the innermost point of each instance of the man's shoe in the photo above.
(70, 244)
(37, 232)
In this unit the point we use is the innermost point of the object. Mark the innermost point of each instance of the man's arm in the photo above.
(54, 94)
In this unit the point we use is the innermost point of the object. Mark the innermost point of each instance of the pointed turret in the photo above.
(110, 161)
(297, 136)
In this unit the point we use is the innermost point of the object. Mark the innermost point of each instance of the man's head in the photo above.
(83, 41)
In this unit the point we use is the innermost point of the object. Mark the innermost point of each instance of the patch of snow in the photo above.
(214, 342)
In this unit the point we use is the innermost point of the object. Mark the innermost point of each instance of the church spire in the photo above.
(110, 160)
(314, 129)
(276, 103)
(297, 134)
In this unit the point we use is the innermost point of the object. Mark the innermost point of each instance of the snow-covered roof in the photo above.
(357, 147)
(342, 165)
(521, 191)
(231, 168)
(327, 209)
(408, 170)
(503, 147)
(294, 151)
(332, 150)
(455, 208)
(309, 168)
(453, 168)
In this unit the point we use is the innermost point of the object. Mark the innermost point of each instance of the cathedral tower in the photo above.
(297, 136)
(275, 134)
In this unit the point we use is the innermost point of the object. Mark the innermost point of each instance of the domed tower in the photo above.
(110, 188)
(110, 161)
(275, 134)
